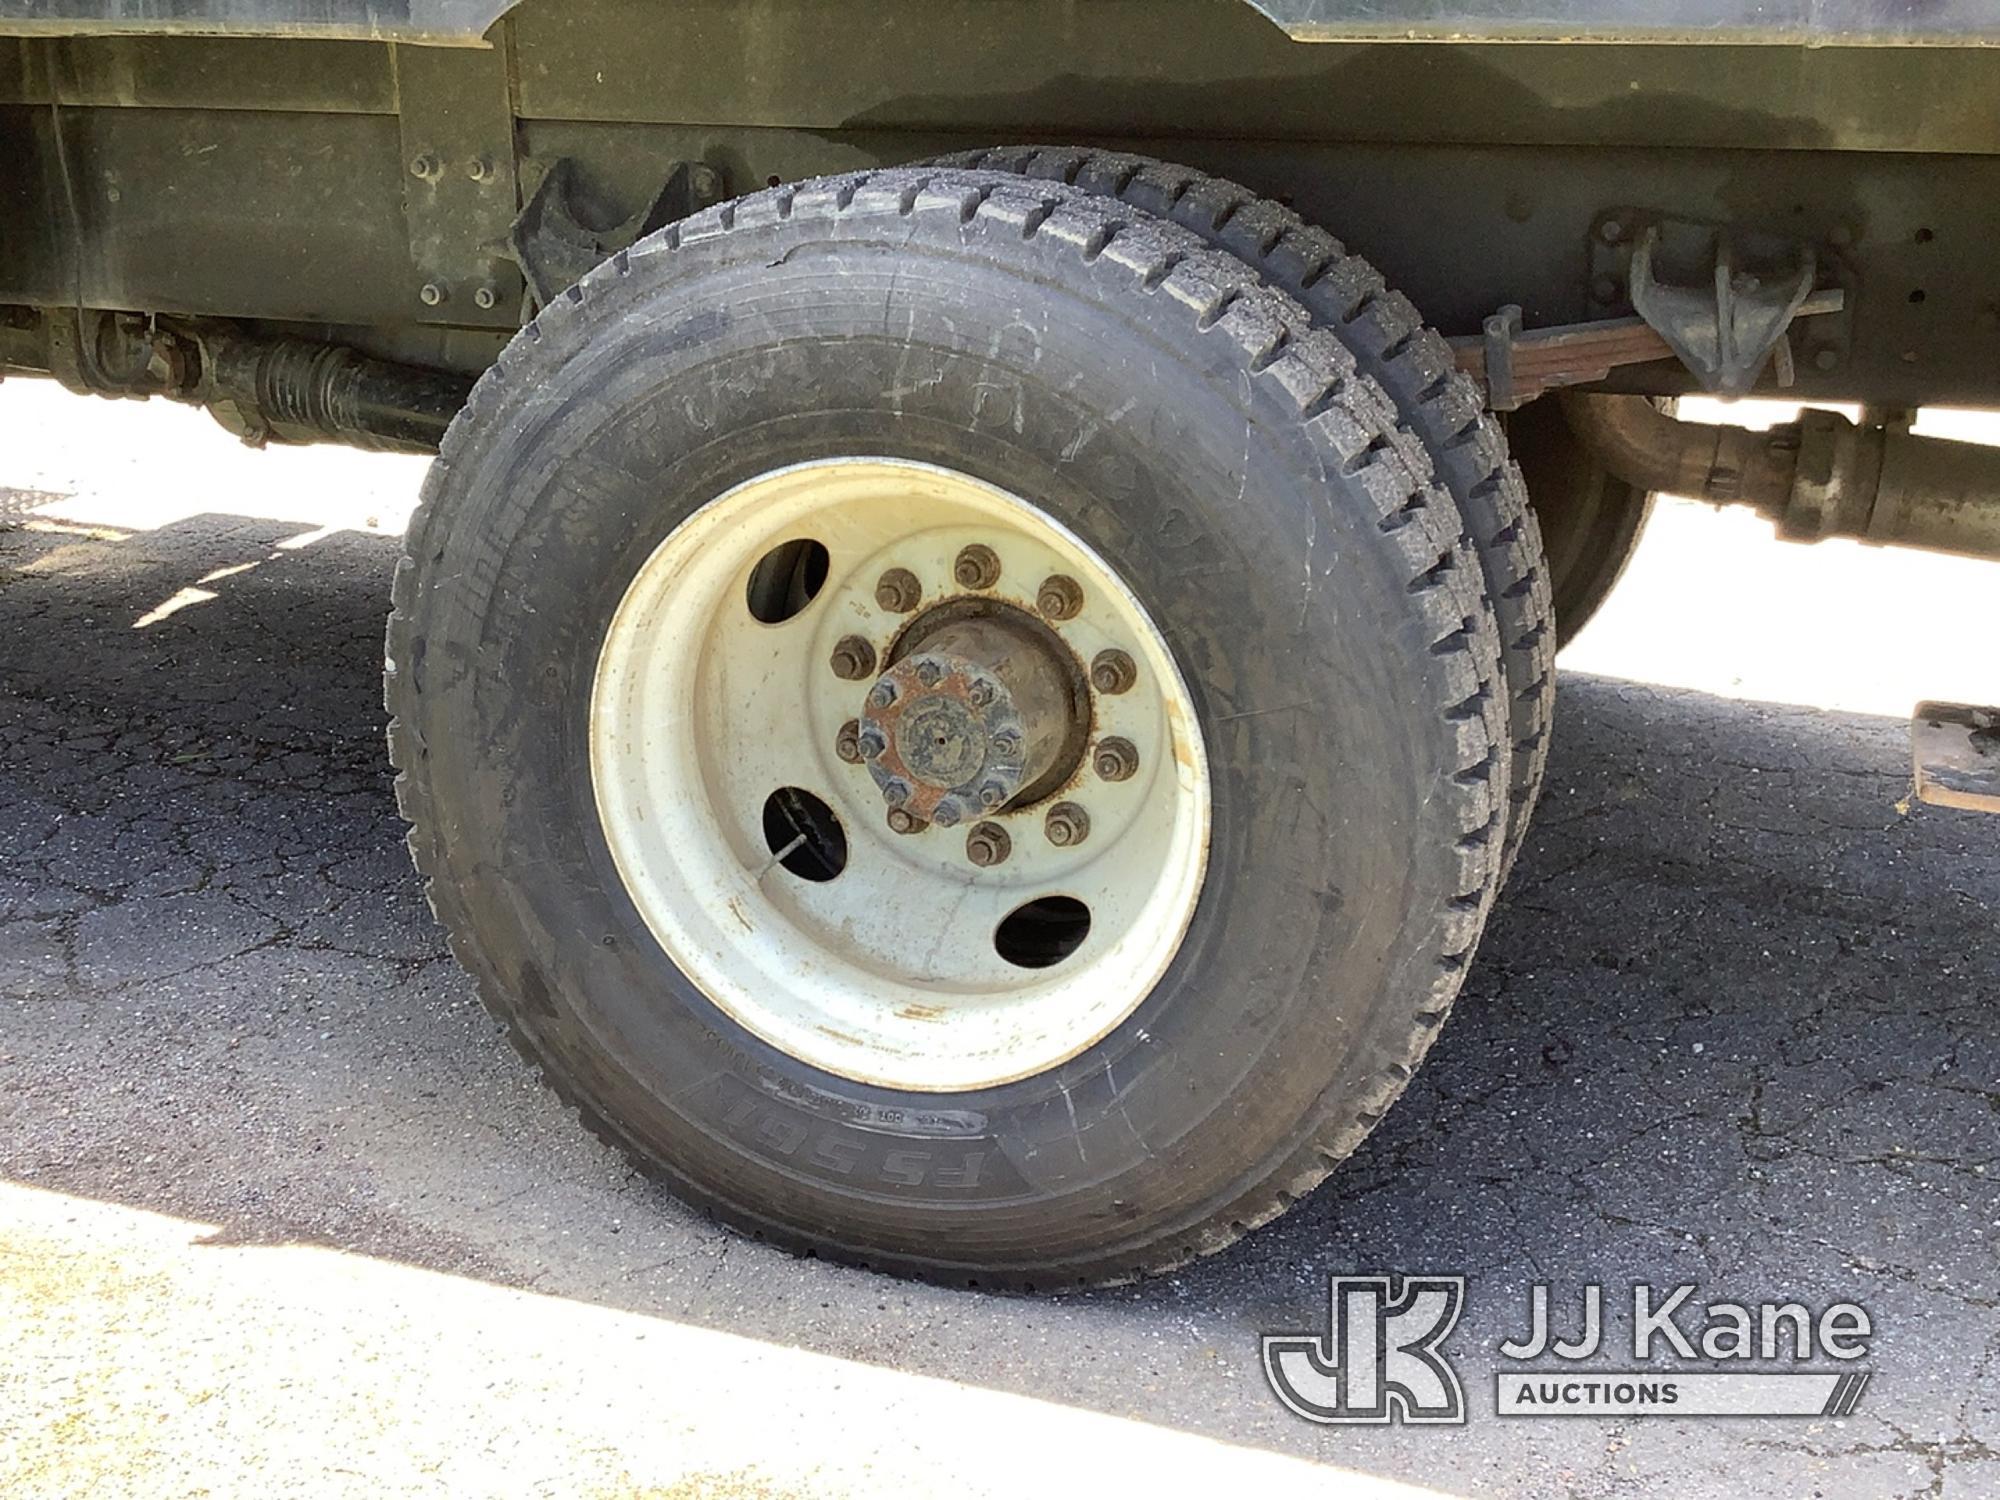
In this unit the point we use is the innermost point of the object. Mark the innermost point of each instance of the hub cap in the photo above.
(864, 776)
(983, 711)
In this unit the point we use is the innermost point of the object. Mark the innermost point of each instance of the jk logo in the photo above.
(1379, 1360)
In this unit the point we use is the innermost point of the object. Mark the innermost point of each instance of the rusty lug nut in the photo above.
(947, 813)
(883, 696)
(853, 658)
(896, 792)
(898, 590)
(430, 294)
(1112, 671)
(847, 744)
(1067, 825)
(1116, 759)
(1006, 742)
(980, 694)
(872, 744)
(902, 820)
(988, 845)
(928, 673)
(976, 567)
(1060, 597)
(992, 795)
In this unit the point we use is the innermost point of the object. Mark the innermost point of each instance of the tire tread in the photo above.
(1414, 366)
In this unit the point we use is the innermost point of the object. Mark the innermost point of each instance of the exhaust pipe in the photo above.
(1821, 476)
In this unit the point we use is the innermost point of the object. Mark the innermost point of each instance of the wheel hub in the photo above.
(980, 712)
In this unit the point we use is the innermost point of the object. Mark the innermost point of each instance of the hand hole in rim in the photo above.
(804, 835)
(1041, 933)
(786, 579)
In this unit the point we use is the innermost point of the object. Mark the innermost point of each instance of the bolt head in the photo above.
(430, 294)
(1006, 742)
(1060, 597)
(895, 791)
(928, 673)
(898, 590)
(946, 813)
(992, 794)
(883, 695)
(479, 168)
(1116, 759)
(1067, 825)
(487, 297)
(987, 845)
(1112, 671)
(853, 658)
(872, 744)
(847, 743)
(1611, 231)
(976, 567)
(424, 164)
(901, 820)
(1827, 359)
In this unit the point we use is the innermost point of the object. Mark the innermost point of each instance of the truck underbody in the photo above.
(321, 186)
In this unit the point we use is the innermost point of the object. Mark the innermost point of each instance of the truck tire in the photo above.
(1591, 520)
(1390, 343)
(744, 509)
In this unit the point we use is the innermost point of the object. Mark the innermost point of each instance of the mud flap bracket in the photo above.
(1956, 750)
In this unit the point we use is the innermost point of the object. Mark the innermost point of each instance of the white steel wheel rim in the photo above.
(888, 973)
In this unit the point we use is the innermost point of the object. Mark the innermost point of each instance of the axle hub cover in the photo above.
(958, 728)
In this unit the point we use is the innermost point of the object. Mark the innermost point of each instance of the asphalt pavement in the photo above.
(280, 1211)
